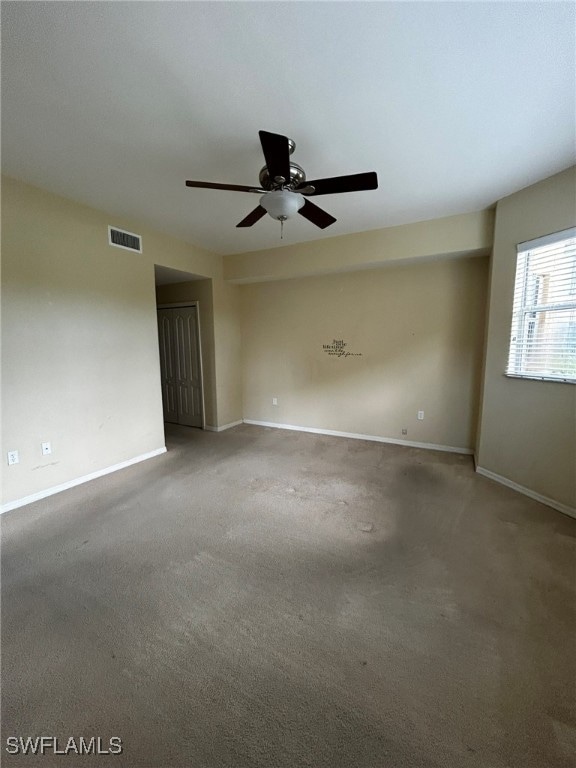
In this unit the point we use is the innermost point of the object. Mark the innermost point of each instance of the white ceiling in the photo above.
(454, 104)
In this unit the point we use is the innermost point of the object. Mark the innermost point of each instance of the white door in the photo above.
(180, 365)
(167, 366)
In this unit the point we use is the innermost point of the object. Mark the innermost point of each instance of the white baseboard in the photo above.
(223, 427)
(78, 481)
(570, 511)
(354, 436)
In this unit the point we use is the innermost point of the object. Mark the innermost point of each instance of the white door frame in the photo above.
(180, 305)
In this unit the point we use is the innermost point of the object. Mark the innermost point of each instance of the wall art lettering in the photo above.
(338, 349)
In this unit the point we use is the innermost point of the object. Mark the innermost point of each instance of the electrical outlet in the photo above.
(420, 415)
(13, 458)
(404, 431)
(274, 401)
(46, 449)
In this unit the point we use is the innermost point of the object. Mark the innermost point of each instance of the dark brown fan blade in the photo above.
(231, 187)
(316, 215)
(276, 153)
(354, 183)
(253, 217)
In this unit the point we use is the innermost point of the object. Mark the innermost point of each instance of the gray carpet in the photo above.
(270, 599)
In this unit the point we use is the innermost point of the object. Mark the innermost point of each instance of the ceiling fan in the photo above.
(284, 187)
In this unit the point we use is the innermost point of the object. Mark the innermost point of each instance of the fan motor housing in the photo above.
(297, 177)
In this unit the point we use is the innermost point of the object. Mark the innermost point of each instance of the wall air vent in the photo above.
(127, 240)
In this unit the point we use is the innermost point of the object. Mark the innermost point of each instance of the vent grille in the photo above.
(122, 239)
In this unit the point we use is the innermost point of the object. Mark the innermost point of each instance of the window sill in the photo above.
(531, 377)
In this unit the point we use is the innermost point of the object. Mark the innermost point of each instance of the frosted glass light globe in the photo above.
(282, 203)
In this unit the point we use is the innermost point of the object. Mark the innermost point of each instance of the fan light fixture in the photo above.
(281, 204)
(284, 183)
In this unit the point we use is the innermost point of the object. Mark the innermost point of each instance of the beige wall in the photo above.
(227, 334)
(80, 346)
(200, 291)
(419, 329)
(80, 353)
(528, 428)
(469, 233)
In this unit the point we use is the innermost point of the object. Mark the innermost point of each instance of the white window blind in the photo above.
(543, 335)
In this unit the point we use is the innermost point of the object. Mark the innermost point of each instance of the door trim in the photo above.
(180, 305)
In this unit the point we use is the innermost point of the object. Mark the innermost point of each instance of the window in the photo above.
(543, 336)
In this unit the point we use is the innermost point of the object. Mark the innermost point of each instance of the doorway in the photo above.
(181, 364)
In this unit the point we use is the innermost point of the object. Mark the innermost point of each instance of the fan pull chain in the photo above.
(281, 228)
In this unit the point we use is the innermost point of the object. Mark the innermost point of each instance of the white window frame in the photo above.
(528, 303)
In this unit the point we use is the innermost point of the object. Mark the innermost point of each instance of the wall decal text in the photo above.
(337, 349)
